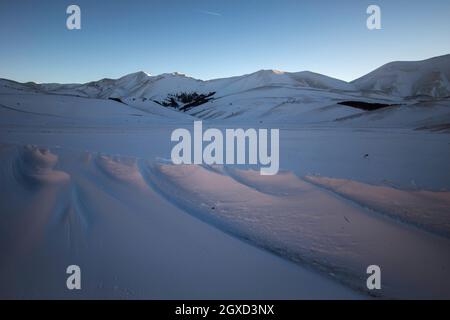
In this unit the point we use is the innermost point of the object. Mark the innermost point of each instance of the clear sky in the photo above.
(212, 39)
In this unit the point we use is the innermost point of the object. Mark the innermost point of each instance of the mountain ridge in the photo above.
(272, 95)
(428, 77)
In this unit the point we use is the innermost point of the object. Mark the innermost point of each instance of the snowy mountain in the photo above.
(274, 78)
(143, 85)
(404, 79)
(276, 96)
(428, 78)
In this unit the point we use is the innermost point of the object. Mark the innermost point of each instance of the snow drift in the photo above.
(307, 225)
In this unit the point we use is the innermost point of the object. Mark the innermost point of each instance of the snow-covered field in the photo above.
(86, 180)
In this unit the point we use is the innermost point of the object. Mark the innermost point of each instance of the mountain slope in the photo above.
(429, 77)
(143, 85)
(275, 96)
(274, 78)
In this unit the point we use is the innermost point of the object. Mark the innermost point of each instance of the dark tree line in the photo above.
(184, 101)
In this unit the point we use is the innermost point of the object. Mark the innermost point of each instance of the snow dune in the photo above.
(98, 211)
(430, 210)
(113, 214)
(36, 166)
(144, 229)
(309, 225)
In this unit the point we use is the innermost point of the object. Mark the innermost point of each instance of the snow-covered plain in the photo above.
(86, 180)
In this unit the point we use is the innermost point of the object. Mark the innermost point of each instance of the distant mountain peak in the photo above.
(139, 75)
(274, 71)
(173, 74)
(179, 74)
(270, 71)
(144, 73)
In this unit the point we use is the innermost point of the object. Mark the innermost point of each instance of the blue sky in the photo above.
(211, 39)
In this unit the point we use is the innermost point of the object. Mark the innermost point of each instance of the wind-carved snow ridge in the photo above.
(129, 213)
(31, 197)
(35, 165)
(308, 225)
(122, 169)
(427, 209)
(109, 219)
